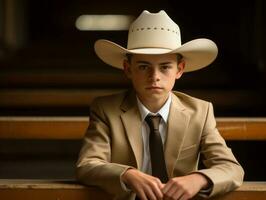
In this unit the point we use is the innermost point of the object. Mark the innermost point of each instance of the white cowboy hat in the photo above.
(157, 33)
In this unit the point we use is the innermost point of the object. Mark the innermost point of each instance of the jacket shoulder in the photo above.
(191, 103)
(185, 97)
(109, 101)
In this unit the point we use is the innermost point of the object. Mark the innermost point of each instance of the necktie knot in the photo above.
(153, 122)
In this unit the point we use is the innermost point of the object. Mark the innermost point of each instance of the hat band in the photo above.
(149, 48)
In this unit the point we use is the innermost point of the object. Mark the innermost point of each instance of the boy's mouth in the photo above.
(154, 88)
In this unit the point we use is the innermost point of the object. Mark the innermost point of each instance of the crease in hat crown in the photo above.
(154, 30)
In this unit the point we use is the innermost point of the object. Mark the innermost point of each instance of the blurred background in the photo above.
(48, 68)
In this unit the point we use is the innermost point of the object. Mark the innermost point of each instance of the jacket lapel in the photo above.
(177, 124)
(178, 121)
(132, 122)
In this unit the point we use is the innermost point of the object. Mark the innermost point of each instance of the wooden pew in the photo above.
(44, 97)
(48, 189)
(75, 127)
(71, 190)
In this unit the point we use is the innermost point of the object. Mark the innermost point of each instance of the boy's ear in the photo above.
(181, 67)
(127, 69)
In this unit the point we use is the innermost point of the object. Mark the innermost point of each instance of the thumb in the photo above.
(162, 185)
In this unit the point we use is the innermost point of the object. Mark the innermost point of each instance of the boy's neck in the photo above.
(153, 105)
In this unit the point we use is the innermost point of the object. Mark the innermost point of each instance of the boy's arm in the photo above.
(94, 165)
(222, 168)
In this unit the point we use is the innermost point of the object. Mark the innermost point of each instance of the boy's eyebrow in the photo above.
(143, 62)
(165, 63)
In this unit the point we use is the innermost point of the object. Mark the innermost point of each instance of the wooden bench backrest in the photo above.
(75, 128)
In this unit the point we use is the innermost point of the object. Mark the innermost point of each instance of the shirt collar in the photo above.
(163, 112)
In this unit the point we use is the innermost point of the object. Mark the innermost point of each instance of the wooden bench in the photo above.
(82, 97)
(244, 129)
(75, 127)
(71, 190)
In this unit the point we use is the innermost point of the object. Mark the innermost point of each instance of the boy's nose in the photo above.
(154, 75)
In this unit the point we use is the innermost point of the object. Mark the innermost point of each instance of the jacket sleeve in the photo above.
(94, 166)
(222, 168)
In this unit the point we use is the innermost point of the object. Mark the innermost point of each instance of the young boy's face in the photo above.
(153, 76)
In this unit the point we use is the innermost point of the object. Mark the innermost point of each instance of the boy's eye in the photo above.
(143, 67)
(164, 67)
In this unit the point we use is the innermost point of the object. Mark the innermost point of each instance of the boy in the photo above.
(147, 141)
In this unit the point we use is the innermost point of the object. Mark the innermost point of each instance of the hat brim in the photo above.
(197, 53)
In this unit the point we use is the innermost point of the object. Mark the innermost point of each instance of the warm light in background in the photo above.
(103, 22)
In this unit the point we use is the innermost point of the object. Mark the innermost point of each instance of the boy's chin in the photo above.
(156, 95)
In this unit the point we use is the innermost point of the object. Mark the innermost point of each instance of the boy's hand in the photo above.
(145, 186)
(184, 187)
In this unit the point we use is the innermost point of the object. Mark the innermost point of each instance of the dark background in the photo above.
(42, 51)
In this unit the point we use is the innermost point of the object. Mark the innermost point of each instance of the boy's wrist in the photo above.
(203, 181)
(125, 175)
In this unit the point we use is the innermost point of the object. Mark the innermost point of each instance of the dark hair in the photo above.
(128, 56)
(179, 57)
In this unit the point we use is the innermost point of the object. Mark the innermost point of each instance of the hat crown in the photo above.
(154, 30)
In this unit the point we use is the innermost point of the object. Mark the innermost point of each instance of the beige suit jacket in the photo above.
(113, 143)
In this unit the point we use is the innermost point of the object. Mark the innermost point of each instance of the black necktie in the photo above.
(156, 149)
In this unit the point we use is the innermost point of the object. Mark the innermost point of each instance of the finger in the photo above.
(184, 197)
(166, 187)
(157, 188)
(159, 183)
(170, 193)
(170, 187)
(162, 186)
(150, 194)
(157, 191)
(178, 194)
(141, 195)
